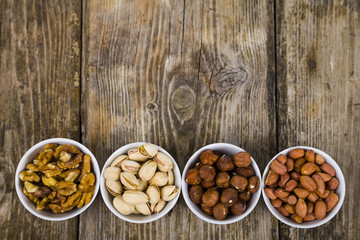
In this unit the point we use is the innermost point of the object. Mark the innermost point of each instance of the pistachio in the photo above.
(114, 187)
(157, 207)
(117, 161)
(135, 155)
(142, 185)
(147, 170)
(153, 192)
(30, 188)
(164, 162)
(143, 208)
(123, 207)
(168, 193)
(129, 180)
(160, 179)
(135, 197)
(171, 177)
(149, 150)
(130, 166)
(112, 173)
(135, 211)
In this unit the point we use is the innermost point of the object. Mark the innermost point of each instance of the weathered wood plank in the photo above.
(318, 91)
(39, 95)
(180, 74)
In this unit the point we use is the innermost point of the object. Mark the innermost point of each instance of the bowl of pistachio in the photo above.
(140, 182)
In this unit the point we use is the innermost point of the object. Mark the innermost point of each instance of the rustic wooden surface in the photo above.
(264, 75)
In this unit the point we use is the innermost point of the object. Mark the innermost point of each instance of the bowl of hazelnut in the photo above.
(57, 179)
(303, 187)
(221, 183)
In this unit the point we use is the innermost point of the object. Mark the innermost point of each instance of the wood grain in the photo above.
(318, 95)
(180, 74)
(40, 66)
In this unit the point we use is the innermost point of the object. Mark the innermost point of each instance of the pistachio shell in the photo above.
(171, 177)
(135, 155)
(143, 208)
(157, 207)
(135, 197)
(117, 161)
(160, 179)
(30, 188)
(149, 150)
(153, 192)
(142, 185)
(112, 173)
(168, 193)
(163, 161)
(135, 212)
(114, 187)
(130, 166)
(129, 180)
(147, 170)
(123, 207)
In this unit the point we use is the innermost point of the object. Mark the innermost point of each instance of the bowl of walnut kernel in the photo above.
(57, 179)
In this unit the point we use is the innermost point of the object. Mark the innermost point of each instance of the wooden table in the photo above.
(264, 75)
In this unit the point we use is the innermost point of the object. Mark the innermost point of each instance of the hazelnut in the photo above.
(225, 163)
(229, 197)
(197, 165)
(254, 184)
(207, 210)
(242, 159)
(207, 172)
(238, 182)
(238, 208)
(193, 177)
(222, 180)
(195, 193)
(245, 171)
(208, 157)
(246, 195)
(220, 211)
(210, 197)
(208, 184)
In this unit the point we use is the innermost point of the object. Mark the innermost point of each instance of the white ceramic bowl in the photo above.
(138, 218)
(228, 149)
(29, 157)
(340, 191)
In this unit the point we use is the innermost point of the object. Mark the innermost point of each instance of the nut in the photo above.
(320, 210)
(171, 177)
(295, 175)
(147, 170)
(134, 154)
(112, 173)
(242, 159)
(245, 195)
(270, 192)
(310, 155)
(207, 172)
(296, 218)
(283, 179)
(326, 177)
(332, 184)
(331, 201)
(149, 150)
(144, 208)
(283, 211)
(207, 210)
(327, 168)
(282, 159)
(193, 177)
(291, 185)
(135, 197)
(225, 163)
(290, 164)
(297, 153)
(310, 207)
(301, 208)
(308, 183)
(292, 200)
(114, 187)
(320, 185)
(195, 193)
(164, 162)
(130, 166)
(222, 180)
(42, 192)
(29, 175)
(65, 156)
(159, 179)
(208, 184)
(276, 202)
(210, 197)
(309, 217)
(153, 192)
(298, 164)
(281, 193)
(229, 197)
(238, 182)
(220, 211)
(208, 157)
(301, 192)
(278, 167)
(272, 177)
(289, 208)
(129, 180)
(308, 168)
(254, 184)
(157, 207)
(319, 159)
(50, 182)
(168, 193)
(117, 161)
(238, 208)
(123, 207)
(142, 185)
(65, 188)
(313, 197)
(245, 171)
(30, 188)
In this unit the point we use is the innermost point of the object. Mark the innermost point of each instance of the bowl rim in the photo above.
(196, 210)
(31, 152)
(104, 192)
(314, 223)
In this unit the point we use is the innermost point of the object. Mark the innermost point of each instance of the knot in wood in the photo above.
(183, 103)
(228, 78)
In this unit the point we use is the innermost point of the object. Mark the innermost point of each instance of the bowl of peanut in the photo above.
(57, 179)
(303, 187)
